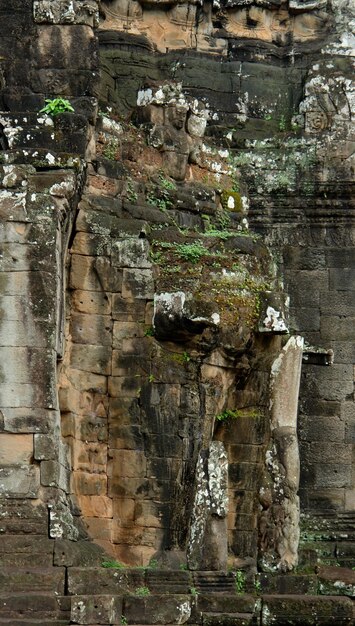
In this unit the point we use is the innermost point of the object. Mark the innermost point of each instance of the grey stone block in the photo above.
(303, 258)
(332, 475)
(335, 328)
(305, 286)
(342, 279)
(138, 284)
(304, 319)
(19, 481)
(327, 452)
(54, 474)
(131, 253)
(46, 447)
(27, 420)
(317, 428)
(96, 359)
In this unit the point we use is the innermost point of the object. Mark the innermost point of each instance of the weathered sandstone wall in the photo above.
(150, 369)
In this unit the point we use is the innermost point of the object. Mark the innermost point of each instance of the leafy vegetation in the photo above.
(111, 149)
(131, 192)
(161, 203)
(113, 564)
(55, 106)
(237, 413)
(240, 580)
(165, 183)
(142, 592)
(191, 252)
(227, 414)
(257, 584)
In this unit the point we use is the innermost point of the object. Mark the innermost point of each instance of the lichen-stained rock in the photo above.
(174, 609)
(280, 517)
(174, 316)
(101, 609)
(273, 313)
(60, 12)
(19, 481)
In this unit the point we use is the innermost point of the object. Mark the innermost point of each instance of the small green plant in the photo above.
(191, 252)
(151, 378)
(193, 591)
(228, 413)
(110, 150)
(165, 183)
(123, 620)
(235, 184)
(186, 357)
(57, 105)
(142, 592)
(149, 332)
(173, 269)
(183, 567)
(257, 584)
(161, 203)
(153, 564)
(131, 192)
(239, 581)
(112, 564)
(223, 219)
(282, 123)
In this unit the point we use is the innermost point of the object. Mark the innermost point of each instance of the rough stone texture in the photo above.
(142, 322)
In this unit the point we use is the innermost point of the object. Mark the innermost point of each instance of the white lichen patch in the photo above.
(171, 304)
(64, 189)
(274, 321)
(218, 478)
(184, 612)
(10, 131)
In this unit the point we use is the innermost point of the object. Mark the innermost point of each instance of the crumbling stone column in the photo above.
(279, 522)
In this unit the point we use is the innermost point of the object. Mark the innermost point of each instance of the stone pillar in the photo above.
(279, 521)
(208, 546)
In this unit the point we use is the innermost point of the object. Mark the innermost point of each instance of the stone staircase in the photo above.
(328, 539)
(57, 583)
(34, 595)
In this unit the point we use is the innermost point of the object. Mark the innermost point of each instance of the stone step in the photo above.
(227, 619)
(37, 606)
(287, 583)
(160, 609)
(303, 610)
(226, 603)
(40, 158)
(31, 579)
(214, 582)
(100, 580)
(25, 550)
(18, 517)
(338, 526)
(133, 609)
(336, 581)
(22, 560)
(161, 581)
(64, 133)
(33, 622)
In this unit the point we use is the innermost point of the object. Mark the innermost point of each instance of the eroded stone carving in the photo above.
(279, 522)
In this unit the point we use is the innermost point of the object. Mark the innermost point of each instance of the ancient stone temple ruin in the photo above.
(177, 312)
